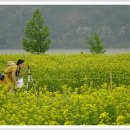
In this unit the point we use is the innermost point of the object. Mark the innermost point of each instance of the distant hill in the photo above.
(69, 25)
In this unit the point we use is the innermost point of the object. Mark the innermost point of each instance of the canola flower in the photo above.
(71, 90)
(74, 70)
(90, 107)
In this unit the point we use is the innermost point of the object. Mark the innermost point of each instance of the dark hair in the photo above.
(20, 61)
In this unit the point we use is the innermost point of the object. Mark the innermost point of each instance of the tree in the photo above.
(36, 34)
(95, 44)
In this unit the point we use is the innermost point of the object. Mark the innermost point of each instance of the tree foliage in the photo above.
(36, 34)
(95, 44)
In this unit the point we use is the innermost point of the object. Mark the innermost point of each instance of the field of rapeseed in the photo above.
(74, 70)
(83, 106)
(70, 90)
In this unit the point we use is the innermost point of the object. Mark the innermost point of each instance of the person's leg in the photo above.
(5, 84)
(11, 87)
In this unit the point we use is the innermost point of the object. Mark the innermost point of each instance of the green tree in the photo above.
(95, 44)
(36, 34)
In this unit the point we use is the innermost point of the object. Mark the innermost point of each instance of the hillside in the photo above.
(69, 25)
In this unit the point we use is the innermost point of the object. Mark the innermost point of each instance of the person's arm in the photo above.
(14, 77)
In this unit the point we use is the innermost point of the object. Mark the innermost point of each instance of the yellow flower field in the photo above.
(70, 90)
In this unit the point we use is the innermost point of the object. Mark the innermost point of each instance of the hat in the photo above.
(10, 63)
